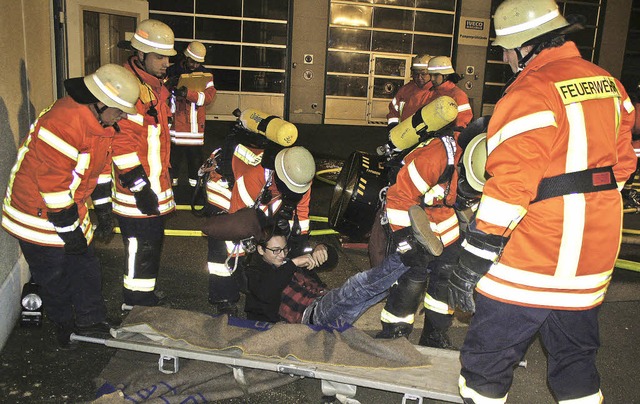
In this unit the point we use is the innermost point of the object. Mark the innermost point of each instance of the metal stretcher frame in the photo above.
(438, 382)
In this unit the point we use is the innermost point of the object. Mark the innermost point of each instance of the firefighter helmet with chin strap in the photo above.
(441, 65)
(295, 167)
(115, 87)
(518, 21)
(420, 62)
(196, 51)
(153, 36)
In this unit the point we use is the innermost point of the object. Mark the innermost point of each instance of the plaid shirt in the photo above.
(301, 291)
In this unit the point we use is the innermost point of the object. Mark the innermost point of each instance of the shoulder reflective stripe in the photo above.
(137, 118)
(596, 398)
(60, 145)
(543, 281)
(499, 213)
(435, 305)
(628, 105)
(587, 88)
(521, 125)
(219, 269)
(57, 200)
(474, 396)
(139, 285)
(200, 101)
(387, 317)
(561, 298)
(125, 161)
(416, 178)
(577, 148)
(247, 156)
(398, 217)
(153, 157)
(573, 222)
(247, 199)
(464, 107)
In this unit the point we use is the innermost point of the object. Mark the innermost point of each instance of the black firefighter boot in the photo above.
(434, 333)
(404, 299)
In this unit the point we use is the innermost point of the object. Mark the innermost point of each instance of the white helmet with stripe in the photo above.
(153, 36)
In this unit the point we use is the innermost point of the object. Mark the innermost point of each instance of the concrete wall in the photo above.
(26, 87)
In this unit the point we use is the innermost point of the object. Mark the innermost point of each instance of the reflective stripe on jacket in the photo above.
(407, 101)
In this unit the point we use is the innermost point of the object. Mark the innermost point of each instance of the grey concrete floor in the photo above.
(33, 370)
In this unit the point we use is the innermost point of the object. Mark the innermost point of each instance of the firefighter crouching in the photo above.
(63, 163)
(546, 235)
(266, 189)
(143, 195)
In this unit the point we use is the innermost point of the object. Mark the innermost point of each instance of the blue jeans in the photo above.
(347, 303)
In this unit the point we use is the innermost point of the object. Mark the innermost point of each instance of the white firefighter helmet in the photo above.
(474, 160)
(420, 62)
(295, 167)
(518, 21)
(153, 36)
(441, 65)
(196, 51)
(111, 84)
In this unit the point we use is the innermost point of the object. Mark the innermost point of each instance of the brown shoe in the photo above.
(421, 227)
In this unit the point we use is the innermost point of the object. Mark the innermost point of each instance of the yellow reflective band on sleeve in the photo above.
(416, 178)
(398, 217)
(200, 101)
(57, 200)
(464, 107)
(304, 226)
(435, 305)
(596, 398)
(83, 162)
(247, 156)
(125, 161)
(387, 317)
(60, 145)
(521, 125)
(499, 213)
(468, 392)
(628, 105)
(219, 269)
(587, 88)
(209, 84)
(104, 179)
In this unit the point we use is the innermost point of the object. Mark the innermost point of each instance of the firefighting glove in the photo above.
(181, 92)
(479, 252)
(104, 229)
(138, 183)
(412, 253)
(67, 225)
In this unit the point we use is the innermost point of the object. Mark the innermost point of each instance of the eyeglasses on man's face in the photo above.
(278, 250)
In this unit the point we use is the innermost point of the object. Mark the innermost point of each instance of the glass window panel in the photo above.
(350, 39)
(589, 12)
(218, 29)
(347, 86)
(350, 15)
(393, 19)
(448, 5)
(391, 42)
(497, 73)
(263, 57)
(432, 45)
(227, 7)
(386, 88)
(222, 55)
(264, 32)
(226, 80)
(390, 67)
(263, 82)
(491, 94)
(432, 22)
(272, 9)
(405, 3)
(343, 62)
(91, 25)
(182, 26)
(171, 5)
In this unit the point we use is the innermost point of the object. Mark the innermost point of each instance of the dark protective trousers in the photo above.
(224, 288)
(189, 155)
(68, 283)
(142, 238)
(500, 333)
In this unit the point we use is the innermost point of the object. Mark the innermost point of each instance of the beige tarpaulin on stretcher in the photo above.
(255, 356)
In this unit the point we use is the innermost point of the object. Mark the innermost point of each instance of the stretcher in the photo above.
(438, 381)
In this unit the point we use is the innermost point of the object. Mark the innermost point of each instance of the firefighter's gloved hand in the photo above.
(138, 183)
(283, 216)
(67, 225)
(479, 252)
(181, 92)
(106, 223)
(412, 253)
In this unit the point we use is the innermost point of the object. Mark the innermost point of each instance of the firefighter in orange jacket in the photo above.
(443, 82)
(189, 114)
(546, 235)
(281, 190)
(428, 178)
(412, 95)
(143, 194)
(64, 161)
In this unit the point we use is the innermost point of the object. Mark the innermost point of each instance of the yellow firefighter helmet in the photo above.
(441, 65)
(474, 160)
(153, 36)
(115, 87)
(196, 51)
(295, 167)
(432, 117)
(518, 21)
(420, 62)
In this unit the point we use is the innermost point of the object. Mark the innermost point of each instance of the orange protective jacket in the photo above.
(407, 101)
(58, 164)
(417, 181)
(562, 114)
(145, 143)
(189, 116)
